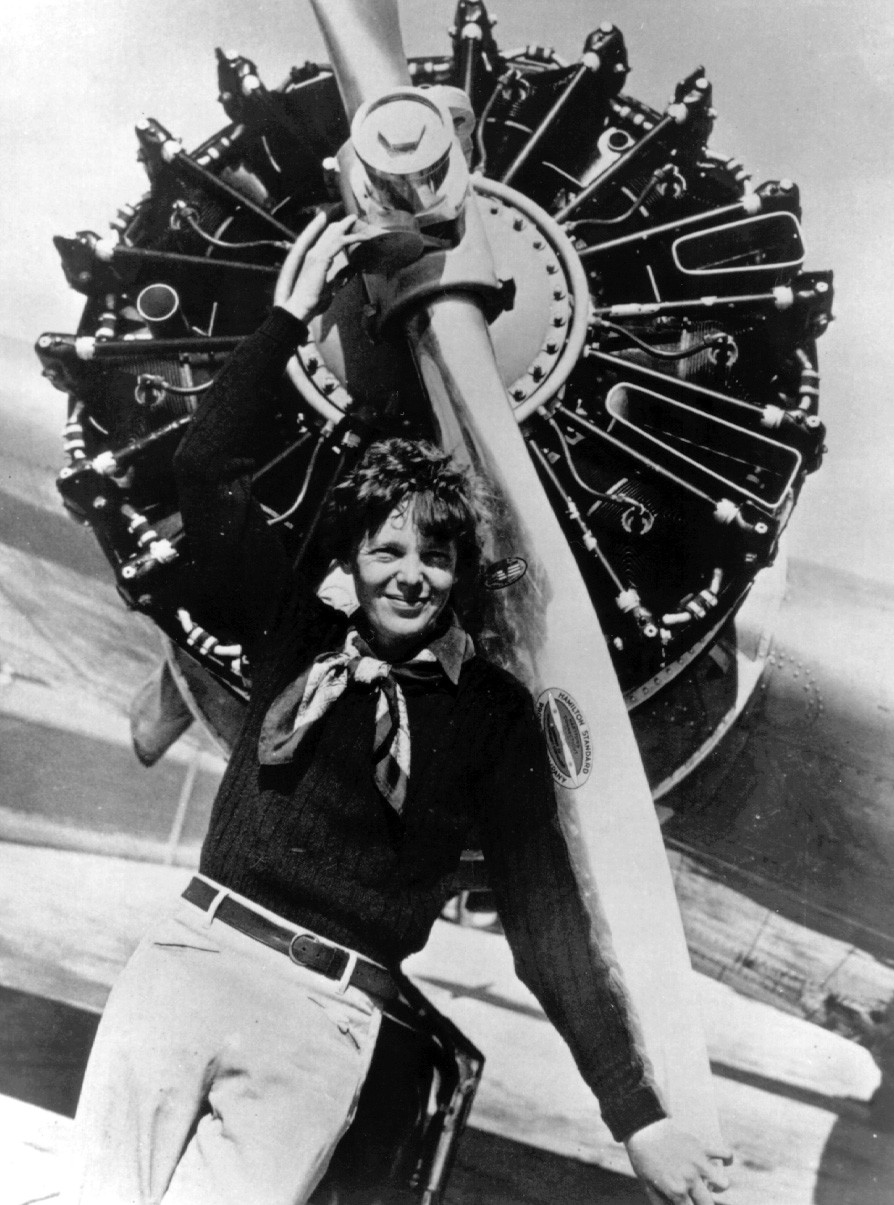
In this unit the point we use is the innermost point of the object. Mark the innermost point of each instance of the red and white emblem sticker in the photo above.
(568, 739)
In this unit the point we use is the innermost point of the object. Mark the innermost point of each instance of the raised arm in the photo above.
(241, 566)
(562, 956)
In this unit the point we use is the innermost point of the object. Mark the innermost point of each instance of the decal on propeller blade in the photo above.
(505, 573)
(568, 739)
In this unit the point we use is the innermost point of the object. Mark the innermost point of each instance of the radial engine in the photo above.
(651, 316)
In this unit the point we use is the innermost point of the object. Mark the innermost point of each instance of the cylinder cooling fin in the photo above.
(652, 319)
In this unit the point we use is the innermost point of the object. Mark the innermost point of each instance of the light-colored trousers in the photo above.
(221, 1074)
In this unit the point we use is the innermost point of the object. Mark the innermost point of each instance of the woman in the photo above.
(233, 1049)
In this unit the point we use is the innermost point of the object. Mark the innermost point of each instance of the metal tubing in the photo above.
(127, 349)
(475, 53)
(592, 429)
(616, 169)
(546, 125)
(57, 351)
(781, 298)
(159, 148)
(470, 64)
(174, 259)
(221, 148)
(124, 455)
(215, 184)
(590, 541)
(744, 414)
(738, 208)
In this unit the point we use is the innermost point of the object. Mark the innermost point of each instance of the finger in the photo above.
(344, 243)
(715, 1178)
(668, 1195)
(655, 1197)
(335, 230)
(333, 241)
(331, 229)
(296, 257)
(710, 1165)
(723, 1154)
(699, 1194)
(314, 228)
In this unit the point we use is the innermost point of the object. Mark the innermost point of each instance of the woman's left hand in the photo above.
(676, 1167)
(312, 291)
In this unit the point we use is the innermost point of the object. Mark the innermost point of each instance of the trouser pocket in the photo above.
(175, 932)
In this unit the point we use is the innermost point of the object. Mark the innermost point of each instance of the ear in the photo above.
(338, 588)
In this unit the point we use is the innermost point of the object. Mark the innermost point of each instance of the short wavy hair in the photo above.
(449, 502)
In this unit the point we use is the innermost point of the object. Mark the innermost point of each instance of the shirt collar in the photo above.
(453, 649)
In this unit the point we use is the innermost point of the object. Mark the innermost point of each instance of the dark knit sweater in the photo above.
(314, 840)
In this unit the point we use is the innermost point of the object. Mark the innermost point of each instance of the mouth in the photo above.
(407, 607)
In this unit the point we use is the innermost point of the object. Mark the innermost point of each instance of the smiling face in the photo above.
(403, 581)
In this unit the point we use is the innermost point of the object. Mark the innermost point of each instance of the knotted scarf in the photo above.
(310, 696)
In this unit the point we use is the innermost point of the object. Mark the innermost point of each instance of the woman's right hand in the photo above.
(312, 291)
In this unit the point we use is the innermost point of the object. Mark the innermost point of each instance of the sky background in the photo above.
(803, 89)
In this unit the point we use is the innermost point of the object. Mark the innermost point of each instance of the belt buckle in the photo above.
(330, 961)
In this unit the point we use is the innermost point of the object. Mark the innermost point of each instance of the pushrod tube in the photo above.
(195, 263)
(545, 127)
(617, 168)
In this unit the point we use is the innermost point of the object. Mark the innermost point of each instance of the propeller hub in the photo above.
(404, 141)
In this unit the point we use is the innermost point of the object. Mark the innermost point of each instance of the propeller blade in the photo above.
(557, 647)
(365, 48)
(551, 635)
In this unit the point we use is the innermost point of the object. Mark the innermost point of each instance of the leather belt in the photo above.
(305, 949)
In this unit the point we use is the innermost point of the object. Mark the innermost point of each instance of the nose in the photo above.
(410, 574)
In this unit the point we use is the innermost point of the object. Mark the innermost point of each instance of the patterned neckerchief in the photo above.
(309, 697)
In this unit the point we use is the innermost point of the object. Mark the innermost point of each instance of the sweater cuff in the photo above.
(636, 1111)
(280, 324)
